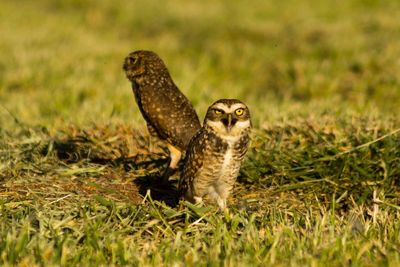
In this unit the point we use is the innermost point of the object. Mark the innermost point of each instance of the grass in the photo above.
(320, 185)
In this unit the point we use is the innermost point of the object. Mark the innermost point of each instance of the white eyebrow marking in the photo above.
(230, 109)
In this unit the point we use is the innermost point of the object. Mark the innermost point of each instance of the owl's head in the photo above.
(141, 62)
(228, 117)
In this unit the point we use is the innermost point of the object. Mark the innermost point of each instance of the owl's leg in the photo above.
(216, 198)
(221, 203)
(223, 190)
(175, 156)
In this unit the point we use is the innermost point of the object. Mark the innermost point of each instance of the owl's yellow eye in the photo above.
(218, 112)
(239, 112)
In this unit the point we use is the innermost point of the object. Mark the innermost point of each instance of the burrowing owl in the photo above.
(169, 114)
(215, 153)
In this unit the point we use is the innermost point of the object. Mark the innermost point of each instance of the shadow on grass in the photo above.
(159, 190)
(75, 150)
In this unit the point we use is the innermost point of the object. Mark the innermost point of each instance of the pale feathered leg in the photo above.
(175, 156)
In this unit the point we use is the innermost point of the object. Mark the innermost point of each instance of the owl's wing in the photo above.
(144, 110)
(170, 113)
(187, 123)
(193, 161)
(152, 130)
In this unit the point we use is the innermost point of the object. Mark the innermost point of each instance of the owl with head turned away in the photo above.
(167, 111)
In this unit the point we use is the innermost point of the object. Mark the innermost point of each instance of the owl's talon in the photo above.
(198, 200)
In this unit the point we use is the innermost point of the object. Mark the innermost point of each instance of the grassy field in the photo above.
(321, 182)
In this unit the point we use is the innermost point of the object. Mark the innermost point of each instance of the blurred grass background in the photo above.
(320, 186)
(61, 60)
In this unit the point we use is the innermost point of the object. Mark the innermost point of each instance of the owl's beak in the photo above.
(127, 67)
(229, 122)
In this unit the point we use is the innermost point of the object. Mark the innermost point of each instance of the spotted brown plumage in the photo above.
(215, 153)
(169, 114)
